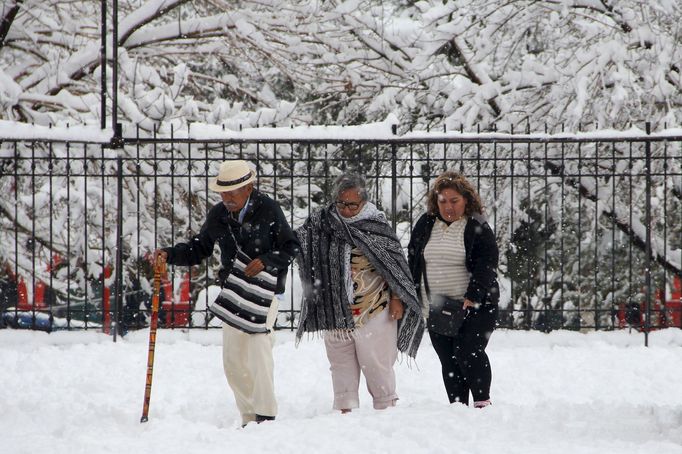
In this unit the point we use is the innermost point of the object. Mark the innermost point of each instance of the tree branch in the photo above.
(619, 221)
(145, 14)
(7, 20)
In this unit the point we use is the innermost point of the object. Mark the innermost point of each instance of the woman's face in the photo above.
(349, 203)
(451, 204)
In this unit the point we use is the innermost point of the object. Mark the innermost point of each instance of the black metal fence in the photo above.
(589, 225)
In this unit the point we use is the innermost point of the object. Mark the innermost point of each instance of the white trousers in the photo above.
(371, 349)
(249, 368)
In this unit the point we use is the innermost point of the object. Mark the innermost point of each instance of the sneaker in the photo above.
(482, 403)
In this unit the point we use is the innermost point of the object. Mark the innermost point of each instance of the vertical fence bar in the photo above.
(49, 292)
(16, 233)
(377, 176)
(629, 305)
(546, 298)
(411, 183)
(274, 172)
(114, 65)
(596, 292)
(86, 310)
(138, 281)
(511, 221)
(664, 280)
(394, 180)
(562, 260)
(157, 199)
(33, 236)
(292, 172)
(614, 176)
(106, 308)
(530, 281)
(188, 234)
(118, 303)
(170, 270)
(579, 285)
(496, 227)
(207, 209)
(647, 240)
(68, 236)
(478, 161)
(103, 66)
(274, 197)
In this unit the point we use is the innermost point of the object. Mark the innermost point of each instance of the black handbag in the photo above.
(446, 315)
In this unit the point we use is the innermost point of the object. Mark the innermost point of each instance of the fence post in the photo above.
(647, 247)
(114, 65)
(118, 286)
(394, 180)
(103, 67)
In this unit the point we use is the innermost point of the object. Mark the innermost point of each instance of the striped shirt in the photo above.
(445, 257)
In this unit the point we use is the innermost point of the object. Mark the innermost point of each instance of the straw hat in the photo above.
(232, 175)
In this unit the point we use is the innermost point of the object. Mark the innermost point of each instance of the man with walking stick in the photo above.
(256, 247)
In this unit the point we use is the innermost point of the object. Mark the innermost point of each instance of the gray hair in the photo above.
(347, 181)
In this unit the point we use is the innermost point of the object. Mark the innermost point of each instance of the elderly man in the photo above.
(252, 223)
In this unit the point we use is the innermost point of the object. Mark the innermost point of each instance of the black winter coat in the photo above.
(264, 234)
(481, 257)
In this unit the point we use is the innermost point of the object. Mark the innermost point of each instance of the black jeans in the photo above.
(465, 365)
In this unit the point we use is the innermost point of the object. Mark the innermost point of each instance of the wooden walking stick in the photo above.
(159, 269)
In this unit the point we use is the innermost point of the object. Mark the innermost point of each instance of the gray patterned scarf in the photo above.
(326, 239)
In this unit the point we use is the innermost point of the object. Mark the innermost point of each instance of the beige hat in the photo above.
(232, 175)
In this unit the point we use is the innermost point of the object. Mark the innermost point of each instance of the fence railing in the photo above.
(589, 225)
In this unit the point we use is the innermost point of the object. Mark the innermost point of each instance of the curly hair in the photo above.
(454, 180)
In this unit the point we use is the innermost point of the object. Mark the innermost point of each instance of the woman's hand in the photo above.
(395, 308)
(469, 304)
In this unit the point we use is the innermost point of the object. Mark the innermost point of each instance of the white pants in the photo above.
(249, 368)
(371, 349)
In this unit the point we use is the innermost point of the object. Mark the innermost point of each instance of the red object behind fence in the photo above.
(106, 302)
(664, 313)
(177, 314)
(674, 305)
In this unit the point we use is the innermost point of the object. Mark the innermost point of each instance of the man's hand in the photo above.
(254, 267)
(160, 255)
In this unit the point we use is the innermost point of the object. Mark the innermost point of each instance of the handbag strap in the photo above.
(426, 281)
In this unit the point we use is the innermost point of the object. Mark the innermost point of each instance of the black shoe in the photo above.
(261, 418)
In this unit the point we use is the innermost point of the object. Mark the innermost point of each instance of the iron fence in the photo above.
(589, 226)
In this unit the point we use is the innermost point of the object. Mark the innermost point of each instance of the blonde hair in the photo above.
(454, 180)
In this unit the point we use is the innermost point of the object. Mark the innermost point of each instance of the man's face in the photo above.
(235, 200)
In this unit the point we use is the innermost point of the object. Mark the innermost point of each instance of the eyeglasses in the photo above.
(340, 204)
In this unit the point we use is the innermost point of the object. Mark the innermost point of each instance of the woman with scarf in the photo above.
(358, 292)
(452, 252)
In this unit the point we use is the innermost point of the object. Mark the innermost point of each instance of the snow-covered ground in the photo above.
(565, 392)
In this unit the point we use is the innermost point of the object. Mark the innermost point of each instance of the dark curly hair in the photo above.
(454, 180)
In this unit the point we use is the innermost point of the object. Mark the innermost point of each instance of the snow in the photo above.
(23, 131)
(379, 131)
(563, 392)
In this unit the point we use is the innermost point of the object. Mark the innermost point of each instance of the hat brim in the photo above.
(215, 187)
